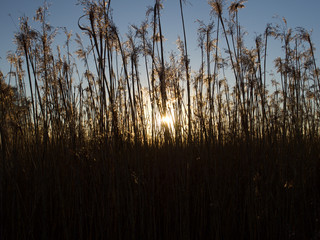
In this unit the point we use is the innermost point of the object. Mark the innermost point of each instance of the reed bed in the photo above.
(119, 141)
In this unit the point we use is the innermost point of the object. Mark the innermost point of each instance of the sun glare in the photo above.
(167, 120)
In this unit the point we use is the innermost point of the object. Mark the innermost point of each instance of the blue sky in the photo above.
(254, 17)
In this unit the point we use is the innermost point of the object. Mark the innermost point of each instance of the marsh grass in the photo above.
(83, 155)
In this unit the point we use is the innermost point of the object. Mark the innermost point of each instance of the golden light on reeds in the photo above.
(167, 120)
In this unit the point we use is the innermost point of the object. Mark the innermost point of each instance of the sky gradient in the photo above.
(253, 17)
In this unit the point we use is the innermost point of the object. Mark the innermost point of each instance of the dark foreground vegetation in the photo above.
(85, 154)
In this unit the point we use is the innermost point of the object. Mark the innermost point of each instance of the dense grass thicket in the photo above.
(118, 140)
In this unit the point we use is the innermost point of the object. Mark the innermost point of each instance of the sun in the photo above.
(167, 120)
